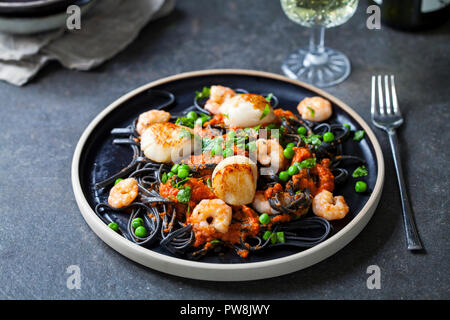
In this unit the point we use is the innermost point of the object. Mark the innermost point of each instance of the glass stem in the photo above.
(317, 54)
(317, 40)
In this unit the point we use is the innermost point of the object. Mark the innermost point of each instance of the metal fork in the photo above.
(388, 117)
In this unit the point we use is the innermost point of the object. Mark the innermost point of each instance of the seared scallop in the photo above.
(166, 142)
(234, 180)
(247, 110)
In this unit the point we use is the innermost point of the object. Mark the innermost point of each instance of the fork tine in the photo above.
(380, 96)
(372, 100)
(394, 97)
(386, 89)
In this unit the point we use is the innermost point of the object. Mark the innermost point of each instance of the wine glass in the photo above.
(317, 64)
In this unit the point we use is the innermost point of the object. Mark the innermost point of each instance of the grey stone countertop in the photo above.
(42, 231)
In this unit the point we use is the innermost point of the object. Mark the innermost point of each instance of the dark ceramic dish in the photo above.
(101, 159)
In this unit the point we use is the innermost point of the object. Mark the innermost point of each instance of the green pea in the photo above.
(360, 186)
(192, 115)
(301, 131)
(284, 176)
(328, 137)
(140, 232)
(292, 170)
(185, 167)
(267, 235)
(137, 222)
(228, 152)
(289, 153)
(290, 145)
(264, 218)
(183, 173)
(175, 168)
(117, 181)
(114, 226)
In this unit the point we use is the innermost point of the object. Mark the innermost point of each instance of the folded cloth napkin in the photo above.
(108, 28)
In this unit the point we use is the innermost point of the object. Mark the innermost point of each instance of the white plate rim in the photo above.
(238, 271)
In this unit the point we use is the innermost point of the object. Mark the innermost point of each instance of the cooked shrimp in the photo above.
(148, 118)
(315, 109)
(210, 216)
(166, 142)
(331, 208)
(247, 110)
(123, 193)
(218, 95)
(270, 152)
(261, 204)
(234, 180)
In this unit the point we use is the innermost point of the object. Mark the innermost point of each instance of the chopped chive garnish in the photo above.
(359, 135)
(205, 93)
(360, 172)
(265, 112)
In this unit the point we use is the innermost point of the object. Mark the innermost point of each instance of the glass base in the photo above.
(324, 70)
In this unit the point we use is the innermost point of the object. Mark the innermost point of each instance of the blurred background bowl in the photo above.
(33, 8)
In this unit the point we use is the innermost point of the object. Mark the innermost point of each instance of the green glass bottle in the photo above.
(414, 15)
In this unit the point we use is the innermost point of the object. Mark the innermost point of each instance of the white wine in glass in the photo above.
(317, 64)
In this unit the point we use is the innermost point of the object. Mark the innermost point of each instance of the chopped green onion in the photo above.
(265, 112)
(269, 97)
(267, 235)
(359, 135)
(117, 181)
(307, 164)
(273, 238)
(164, 178)
(312, 111)
(184, 195)
(360, 172)
(205, 93)
(264, 218)
(175, 168)
(280, 237)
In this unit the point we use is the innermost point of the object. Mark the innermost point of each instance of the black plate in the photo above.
(33, 8)
(101, 159)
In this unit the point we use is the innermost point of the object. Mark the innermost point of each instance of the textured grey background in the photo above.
(42, 231)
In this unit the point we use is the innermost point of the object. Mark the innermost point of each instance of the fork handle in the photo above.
(412, 236)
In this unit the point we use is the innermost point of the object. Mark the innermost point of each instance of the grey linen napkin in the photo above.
(108, 28)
